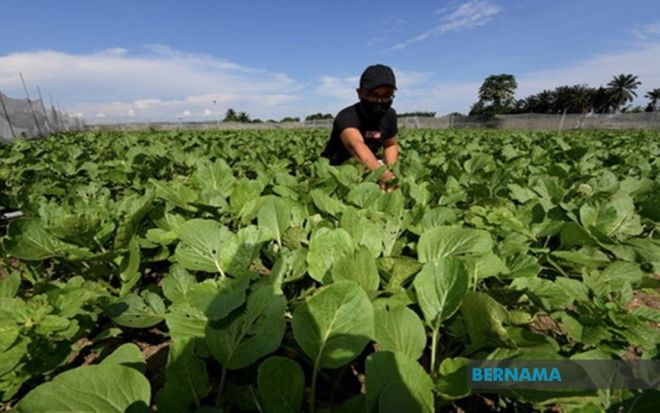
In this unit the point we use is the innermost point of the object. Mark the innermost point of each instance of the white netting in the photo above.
(24, 119)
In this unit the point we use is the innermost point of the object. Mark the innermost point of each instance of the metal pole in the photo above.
(561, 122)
(58, 119)
(43, 103)
(4, 109)
(52, 108)
(34, 114)
(61, 115)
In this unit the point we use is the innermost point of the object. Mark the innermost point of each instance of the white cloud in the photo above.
(595, 71)
(157, 84)
(598, 70)
(343, 88)
(470, 14)
(162, 84)
(647, 31)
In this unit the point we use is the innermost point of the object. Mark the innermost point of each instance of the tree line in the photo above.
(497, 96)
(233, 116)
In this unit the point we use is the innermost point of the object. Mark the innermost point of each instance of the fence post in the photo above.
(561, 122)
(4, 109)
(34, 115)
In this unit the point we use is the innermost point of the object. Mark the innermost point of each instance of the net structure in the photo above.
(26, 119)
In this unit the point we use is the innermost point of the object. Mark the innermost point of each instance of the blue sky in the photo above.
(160, 60)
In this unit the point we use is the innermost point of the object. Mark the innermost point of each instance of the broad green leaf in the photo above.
(522, 265)
(275, 218)
(398, 328)
(399, 270)
(358, 266)
(520, 193)
(325, 247)
(186, 378)
(434, 217)
(385, 368)
(177, 285)
(485, 266)
(484, 318)
(128, 355)
(185, 321)
(134, 208)
(544, 293)
(8, 334)
(28, 240)
(9, 286)
(175, 193)
(366, 232)
(239, 252)
(110, 388)
(356, 404)
(202, 241)
(160, 236)
(10, 358)
(440, 287)
(244, 191)
(326, 203)
(135, 311)
(452, 381)
(584, 258)
(444, 241)
(281, 396)
(335, 324)
(218, 298)
(648, 251)
(130, 267)
(364, 194)
(216, 177)
(242, 339)
(397, 397)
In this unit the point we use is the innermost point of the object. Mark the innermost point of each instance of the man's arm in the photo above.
(391, 151)
(354, 143)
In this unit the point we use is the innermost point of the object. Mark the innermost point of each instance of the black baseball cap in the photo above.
(377, 75)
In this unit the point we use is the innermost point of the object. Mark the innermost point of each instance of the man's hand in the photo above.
(386, 180)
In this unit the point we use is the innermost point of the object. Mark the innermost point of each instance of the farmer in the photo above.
(360, 130)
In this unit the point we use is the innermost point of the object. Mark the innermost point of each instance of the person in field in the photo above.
(363, 130)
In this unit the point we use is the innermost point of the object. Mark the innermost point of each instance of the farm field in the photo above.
(236, 271)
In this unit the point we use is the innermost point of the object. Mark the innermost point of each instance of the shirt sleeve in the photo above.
(393, 125)
(345, 120)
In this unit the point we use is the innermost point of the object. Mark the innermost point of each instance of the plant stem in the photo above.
(312, 400)
(434, 349)
(223, 376)
(557, 267)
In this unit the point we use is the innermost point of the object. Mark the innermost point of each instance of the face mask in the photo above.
(375, 110)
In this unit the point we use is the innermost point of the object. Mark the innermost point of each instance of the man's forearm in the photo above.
(391, 153)
(363, 154)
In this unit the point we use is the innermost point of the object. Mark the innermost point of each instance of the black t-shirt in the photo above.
(374, 132)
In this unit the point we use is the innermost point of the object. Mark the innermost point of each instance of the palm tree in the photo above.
(500, 90)
(243, 117)
(545, 101)
(653, 96)
(601, 100)
(563, 99)
(622, 89)
(581, 96)
(230, 116)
